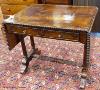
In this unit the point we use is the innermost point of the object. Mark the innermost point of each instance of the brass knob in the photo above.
(8, 9)
(59, 35)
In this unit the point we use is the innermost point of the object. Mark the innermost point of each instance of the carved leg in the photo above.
(85, 61)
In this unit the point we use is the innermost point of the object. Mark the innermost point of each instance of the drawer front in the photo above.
(71, 36)
(62, 35)
(23, 30)
(26, 2)
(11, 9)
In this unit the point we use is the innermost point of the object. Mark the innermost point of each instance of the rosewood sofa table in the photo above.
(59, 22)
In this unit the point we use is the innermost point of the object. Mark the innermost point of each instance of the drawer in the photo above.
(26, 2)
(11, 9)
(71, 36)
(23, 30)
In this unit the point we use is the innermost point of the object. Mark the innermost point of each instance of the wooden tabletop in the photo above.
(56, 16)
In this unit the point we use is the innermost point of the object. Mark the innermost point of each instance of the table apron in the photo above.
(75, 36)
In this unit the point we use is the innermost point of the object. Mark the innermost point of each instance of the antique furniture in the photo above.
(10, 7)
(61, 22)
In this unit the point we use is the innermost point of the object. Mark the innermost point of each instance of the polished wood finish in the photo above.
(49, 16)
(74, 23)
(56, 16)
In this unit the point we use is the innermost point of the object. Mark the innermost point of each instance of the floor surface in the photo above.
(44, 74)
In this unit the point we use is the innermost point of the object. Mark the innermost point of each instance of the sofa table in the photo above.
(61, 22)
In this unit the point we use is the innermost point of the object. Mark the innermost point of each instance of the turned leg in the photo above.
(86, 61)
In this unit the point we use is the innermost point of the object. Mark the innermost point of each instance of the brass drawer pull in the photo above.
(8, 10)
(59, 36)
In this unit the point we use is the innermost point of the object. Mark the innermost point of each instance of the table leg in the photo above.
(33, 46)
(86, 61)
(25, 64)
(28, 56)
(32, 42)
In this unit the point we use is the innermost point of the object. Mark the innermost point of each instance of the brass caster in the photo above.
(83, 81)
